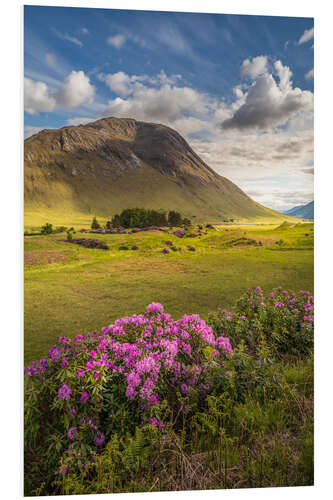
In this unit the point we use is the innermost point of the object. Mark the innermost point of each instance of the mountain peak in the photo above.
(115, 163)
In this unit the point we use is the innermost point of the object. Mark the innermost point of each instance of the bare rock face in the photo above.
(115, 163)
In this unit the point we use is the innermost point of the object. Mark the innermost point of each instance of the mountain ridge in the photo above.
(302, 211)
(115, 163)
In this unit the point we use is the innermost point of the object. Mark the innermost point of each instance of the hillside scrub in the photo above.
(151, 404)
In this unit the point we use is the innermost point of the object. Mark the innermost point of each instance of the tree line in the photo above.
(140, 217)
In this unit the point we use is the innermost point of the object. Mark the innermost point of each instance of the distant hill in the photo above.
(114, 163)
(302, 211)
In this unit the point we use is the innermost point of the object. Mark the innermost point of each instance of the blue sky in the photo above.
(239, 88)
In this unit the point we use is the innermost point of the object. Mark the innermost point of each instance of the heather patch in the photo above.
(88, 243)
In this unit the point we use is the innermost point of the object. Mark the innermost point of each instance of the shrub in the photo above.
(95, 224)
(47, 229)
(143, 370)
(283, 318)
(174, 218)
(123, 247)
(187, 223)
(135, 247)
(86, 242)
(191, 248)
(179, 234)
(165, 250)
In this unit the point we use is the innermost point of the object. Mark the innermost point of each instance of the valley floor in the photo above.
(70, 289)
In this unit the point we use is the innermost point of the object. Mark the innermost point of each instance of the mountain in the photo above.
(302, 211)
(114, 163)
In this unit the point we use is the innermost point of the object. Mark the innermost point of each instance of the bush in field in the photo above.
(142, 371)
(285, 320)
(47, 229)
(95, 224)
(86, 242)
(174, 218)
(187, 223)
(116, 221)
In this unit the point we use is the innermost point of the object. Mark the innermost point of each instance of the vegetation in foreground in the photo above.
(151, 404)
(72, 288)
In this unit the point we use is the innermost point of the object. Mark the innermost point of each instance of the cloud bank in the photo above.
(75, 91)
(271, 99)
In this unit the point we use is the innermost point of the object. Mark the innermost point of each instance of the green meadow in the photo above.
(70, 289)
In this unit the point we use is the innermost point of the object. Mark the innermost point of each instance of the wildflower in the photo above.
(72, 433)
(99, 439)
(64, 392)
(80, 373)
(84, 397)
(155, 307)
(63, 470)
(30, 371)
(64, 363)
(42, 365)
(228, 374)
(54, 352)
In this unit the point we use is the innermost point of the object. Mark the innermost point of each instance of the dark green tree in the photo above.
(187, 223)
(47, 229)
(95, 224)
(116, 221)
(174, 218)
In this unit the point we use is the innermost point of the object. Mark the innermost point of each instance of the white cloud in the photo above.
(69, 38)
(189, 125)
(307, 35)
(84, 31)
(170, 36)
(267, 103)
(29, 131)
(37, 97)
(309, 75)
(164, 104)
(80, 120)
(116, 41)
(51, 60)
(121, 83)
(281, 200)
(76, 90)
(254, 68)
(284, 75)
(242, 156)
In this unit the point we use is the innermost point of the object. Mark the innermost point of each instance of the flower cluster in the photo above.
(286, 319)
(137, 362)
(179, 234)
(88, 243)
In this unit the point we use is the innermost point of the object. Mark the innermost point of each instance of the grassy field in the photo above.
(70, 289)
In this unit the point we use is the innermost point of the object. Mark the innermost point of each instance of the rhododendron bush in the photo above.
(285, 319)
(142, 370)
